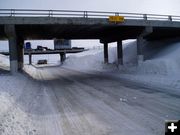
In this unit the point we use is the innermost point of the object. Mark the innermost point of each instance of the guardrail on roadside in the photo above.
(83, 14)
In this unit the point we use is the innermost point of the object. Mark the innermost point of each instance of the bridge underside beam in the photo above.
(12, 38)
(20, 49)
(140, 45)
(15, 48)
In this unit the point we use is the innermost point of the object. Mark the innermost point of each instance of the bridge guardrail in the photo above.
(83, 14)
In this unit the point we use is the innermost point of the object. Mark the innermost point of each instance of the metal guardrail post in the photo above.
(170, 18)
(116, 14)
(85, 14)
(50, 13)
(145, 16)
(12, 12)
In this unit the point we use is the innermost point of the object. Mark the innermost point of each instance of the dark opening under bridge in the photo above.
(17, 25)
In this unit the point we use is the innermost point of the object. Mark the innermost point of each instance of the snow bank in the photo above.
(162, 71)
(165, 62)
(4, 62)
(13, 120)
(93, 59)
(90, 60)
(129, 52)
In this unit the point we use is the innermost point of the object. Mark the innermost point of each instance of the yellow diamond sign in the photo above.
(116, 19)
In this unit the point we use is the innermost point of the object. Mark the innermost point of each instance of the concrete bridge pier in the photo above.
(20, 49)
(63, 57)
(12, 38)
(119, 53)
(106, 59)
(30, 58)
(141, 43)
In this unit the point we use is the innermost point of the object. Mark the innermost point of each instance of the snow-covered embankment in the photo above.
(162, 71)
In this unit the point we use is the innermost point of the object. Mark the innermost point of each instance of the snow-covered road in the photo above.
(58, 101)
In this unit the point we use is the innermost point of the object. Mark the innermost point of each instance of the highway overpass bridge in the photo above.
(18, 25)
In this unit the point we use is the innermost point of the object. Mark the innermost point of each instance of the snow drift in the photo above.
(4, 62)
(162, 71)
(166, 62)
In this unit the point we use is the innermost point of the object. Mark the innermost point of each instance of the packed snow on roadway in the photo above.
(162, 71)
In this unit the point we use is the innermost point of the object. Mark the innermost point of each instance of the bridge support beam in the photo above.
(16, 49)
(20, 49)
(30, 58)
(106, 60)
(63, 57)
(119, 53)
(141, 43)
(12, 37)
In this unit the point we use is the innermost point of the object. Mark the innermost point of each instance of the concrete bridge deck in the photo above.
(49, 24)
(93, 28)
(18, 25)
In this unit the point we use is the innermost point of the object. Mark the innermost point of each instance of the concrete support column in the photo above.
(106, 60)
(30, 58)
(62, 56)
(11, 34)
(13, 55)
(140, 44)
(119, 53)
(20, 49)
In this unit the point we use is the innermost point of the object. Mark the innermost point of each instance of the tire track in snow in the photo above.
(51, 121)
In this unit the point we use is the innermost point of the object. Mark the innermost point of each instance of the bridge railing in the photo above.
(83, 14)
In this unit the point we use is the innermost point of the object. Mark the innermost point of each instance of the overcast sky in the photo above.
(139, 6)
